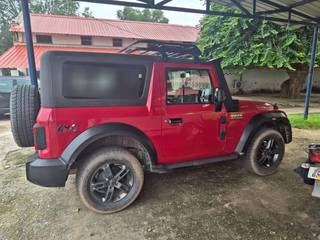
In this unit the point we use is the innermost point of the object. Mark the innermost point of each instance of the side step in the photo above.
(162, 168)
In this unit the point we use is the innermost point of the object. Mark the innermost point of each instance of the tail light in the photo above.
(39, 137)
(314, 153)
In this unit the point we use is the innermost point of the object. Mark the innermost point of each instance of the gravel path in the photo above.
(6, 140)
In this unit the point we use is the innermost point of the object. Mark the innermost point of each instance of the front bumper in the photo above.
(47, 172)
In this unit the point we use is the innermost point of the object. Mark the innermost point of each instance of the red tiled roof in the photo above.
(16, 57)
(54, 24)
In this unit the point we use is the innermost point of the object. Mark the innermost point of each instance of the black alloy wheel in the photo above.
(265, 152)
(110, 183)
(109, 179)
(269, 152)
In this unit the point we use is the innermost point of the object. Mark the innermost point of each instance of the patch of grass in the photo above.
(298, 121)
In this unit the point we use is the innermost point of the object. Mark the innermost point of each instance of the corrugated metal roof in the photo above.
(54, 24)
(301, 10)
(16, 57)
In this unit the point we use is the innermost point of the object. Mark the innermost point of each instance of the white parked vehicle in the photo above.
(310, 170)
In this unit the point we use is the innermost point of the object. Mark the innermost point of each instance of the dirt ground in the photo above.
(220, 201)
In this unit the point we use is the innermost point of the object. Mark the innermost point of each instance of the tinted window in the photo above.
(188, 86)
(103, 81)
(44, 39)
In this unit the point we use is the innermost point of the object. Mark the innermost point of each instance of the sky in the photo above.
(110, 11)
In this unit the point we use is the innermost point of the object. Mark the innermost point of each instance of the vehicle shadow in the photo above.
(4, 117)
(193, 183)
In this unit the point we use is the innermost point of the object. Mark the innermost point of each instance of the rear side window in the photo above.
(189, 86)
(103, 81)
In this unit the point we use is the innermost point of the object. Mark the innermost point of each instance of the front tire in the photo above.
(265, 152)
(109, 180)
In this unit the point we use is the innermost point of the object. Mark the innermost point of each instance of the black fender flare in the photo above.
(277, 119)
(84, 139)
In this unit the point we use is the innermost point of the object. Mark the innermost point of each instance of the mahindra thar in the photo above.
(154, 106)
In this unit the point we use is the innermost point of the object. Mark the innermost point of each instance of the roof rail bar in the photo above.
(164, 49)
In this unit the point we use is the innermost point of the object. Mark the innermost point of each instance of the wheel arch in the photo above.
(95, 136)
(276, 120)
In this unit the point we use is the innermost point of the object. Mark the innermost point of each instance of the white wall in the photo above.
(74, 40)
(63, 39)
(107, 42)
(261, 79)
(101, 42)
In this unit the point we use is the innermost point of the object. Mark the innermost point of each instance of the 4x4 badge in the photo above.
(238, 115)
(67, 128)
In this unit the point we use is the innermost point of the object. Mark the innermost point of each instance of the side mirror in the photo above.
(219, 98)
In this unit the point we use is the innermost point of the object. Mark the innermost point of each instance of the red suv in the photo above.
(153, 107)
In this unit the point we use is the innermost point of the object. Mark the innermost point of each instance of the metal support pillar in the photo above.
(29, 42)
(311, 71)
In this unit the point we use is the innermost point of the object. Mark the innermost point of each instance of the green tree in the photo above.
(145, 15)
(58, 7)
(9, 9)
(244, 43)
(87, 13)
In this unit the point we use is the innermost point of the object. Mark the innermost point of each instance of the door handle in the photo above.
(174, 121)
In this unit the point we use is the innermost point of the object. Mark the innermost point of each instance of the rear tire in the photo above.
(24, 108)
(265, 152)
(109, 180)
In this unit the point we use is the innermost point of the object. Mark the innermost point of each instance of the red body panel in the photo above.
(198, 137)
(314, 153)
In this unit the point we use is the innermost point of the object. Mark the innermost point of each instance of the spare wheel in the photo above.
(24, 108)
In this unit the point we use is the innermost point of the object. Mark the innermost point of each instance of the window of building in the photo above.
(44, 39)
(103, 81)
(188, 86)
(117, 42)
(15, 37)
(86, 40)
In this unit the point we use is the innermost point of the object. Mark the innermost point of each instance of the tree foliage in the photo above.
(87, 13)
(9, 9)
(58, 7)
(246, 42)
(145, 15)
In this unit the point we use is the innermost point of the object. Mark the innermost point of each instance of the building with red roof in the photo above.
(73, 33)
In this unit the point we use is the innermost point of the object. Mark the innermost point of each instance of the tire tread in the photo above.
(250, 163)
(24, 107)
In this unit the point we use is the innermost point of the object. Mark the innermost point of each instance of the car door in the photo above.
(190, 126)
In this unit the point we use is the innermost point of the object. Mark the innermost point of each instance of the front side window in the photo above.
(103, 81)
(188, 86)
